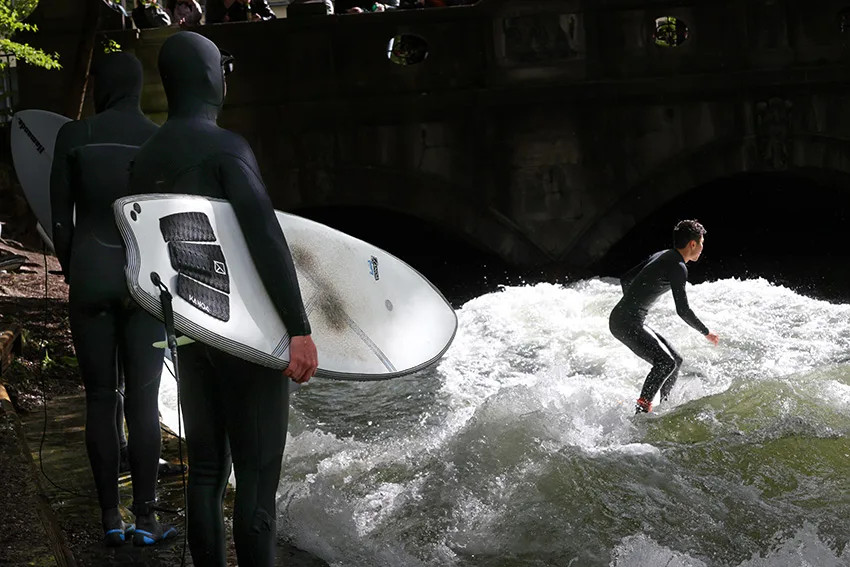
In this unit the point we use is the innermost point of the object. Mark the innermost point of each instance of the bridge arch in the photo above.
(721, 159)
(420, 196)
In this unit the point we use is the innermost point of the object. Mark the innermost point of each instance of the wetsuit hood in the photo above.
(117, 82)
(192, 75)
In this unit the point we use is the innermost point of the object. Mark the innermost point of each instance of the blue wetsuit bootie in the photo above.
(148, 529)
(116, 531)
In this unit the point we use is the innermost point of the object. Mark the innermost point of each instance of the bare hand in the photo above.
(380, 7)
(713, 338)
(303, 359)
(354, 10)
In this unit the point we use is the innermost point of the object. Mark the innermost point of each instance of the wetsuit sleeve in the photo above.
(678, 278)
(629, 276)
(70, 136)
(254, 211)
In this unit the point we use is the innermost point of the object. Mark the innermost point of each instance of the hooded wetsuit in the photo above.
(233, 410)
(642, 286)
(108, 329)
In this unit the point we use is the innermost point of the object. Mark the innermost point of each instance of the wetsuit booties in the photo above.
(116, 532)
(148, 529)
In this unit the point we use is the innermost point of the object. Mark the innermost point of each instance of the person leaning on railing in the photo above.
(149, 14)
(184, 13)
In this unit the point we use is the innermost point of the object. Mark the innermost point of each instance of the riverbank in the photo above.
(48, 508)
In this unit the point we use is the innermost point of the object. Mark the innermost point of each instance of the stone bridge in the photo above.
(539, 130)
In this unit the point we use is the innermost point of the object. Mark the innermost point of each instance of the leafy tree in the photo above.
(12, 16)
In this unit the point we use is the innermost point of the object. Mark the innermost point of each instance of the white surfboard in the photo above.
(373, 317)
(33, 139)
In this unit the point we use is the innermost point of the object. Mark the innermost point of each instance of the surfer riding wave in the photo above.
(642, 286)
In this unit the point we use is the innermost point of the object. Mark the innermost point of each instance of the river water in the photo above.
(520, 448)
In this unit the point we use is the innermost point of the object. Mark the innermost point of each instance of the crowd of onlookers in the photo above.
(189, 13)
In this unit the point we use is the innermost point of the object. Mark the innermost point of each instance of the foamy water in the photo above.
(520, 448)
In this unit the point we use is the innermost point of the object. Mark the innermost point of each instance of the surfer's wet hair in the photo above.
(685, 231)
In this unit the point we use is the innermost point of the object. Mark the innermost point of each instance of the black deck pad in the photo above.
(191, 227)
(203, 262)
(212, 302)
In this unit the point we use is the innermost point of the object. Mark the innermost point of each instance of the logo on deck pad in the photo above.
(219, 267)
(373, 268)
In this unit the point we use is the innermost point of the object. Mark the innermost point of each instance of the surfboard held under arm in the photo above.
(373, 317)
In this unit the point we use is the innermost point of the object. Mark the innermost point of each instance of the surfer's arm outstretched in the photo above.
(70, 136)
(247, 195)
(678, 279)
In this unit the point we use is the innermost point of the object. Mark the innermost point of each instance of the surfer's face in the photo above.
(695, 247)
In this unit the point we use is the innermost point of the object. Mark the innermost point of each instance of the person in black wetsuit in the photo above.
(112, 337)
(234, 411)
(642, 286)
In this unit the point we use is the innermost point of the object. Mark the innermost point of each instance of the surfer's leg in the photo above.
(93, 330)
(257, 406)
(209, 454)
(142, 364)
(663, 365)
(644, 342)
(668, 384)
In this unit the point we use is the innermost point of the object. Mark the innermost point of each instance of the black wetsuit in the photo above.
(234, 411)
(642, 286)
(105, 324)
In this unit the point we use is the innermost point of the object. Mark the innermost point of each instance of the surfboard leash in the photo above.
(171, 337)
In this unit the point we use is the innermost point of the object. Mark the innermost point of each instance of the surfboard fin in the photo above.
(181, 340)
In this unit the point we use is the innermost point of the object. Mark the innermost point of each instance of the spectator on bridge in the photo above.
(222, 11)
(149, 14)
(184, 13)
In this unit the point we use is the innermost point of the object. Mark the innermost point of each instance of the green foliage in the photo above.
(110, 46)
(12, 16)
(68, 361)
(47, 362)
